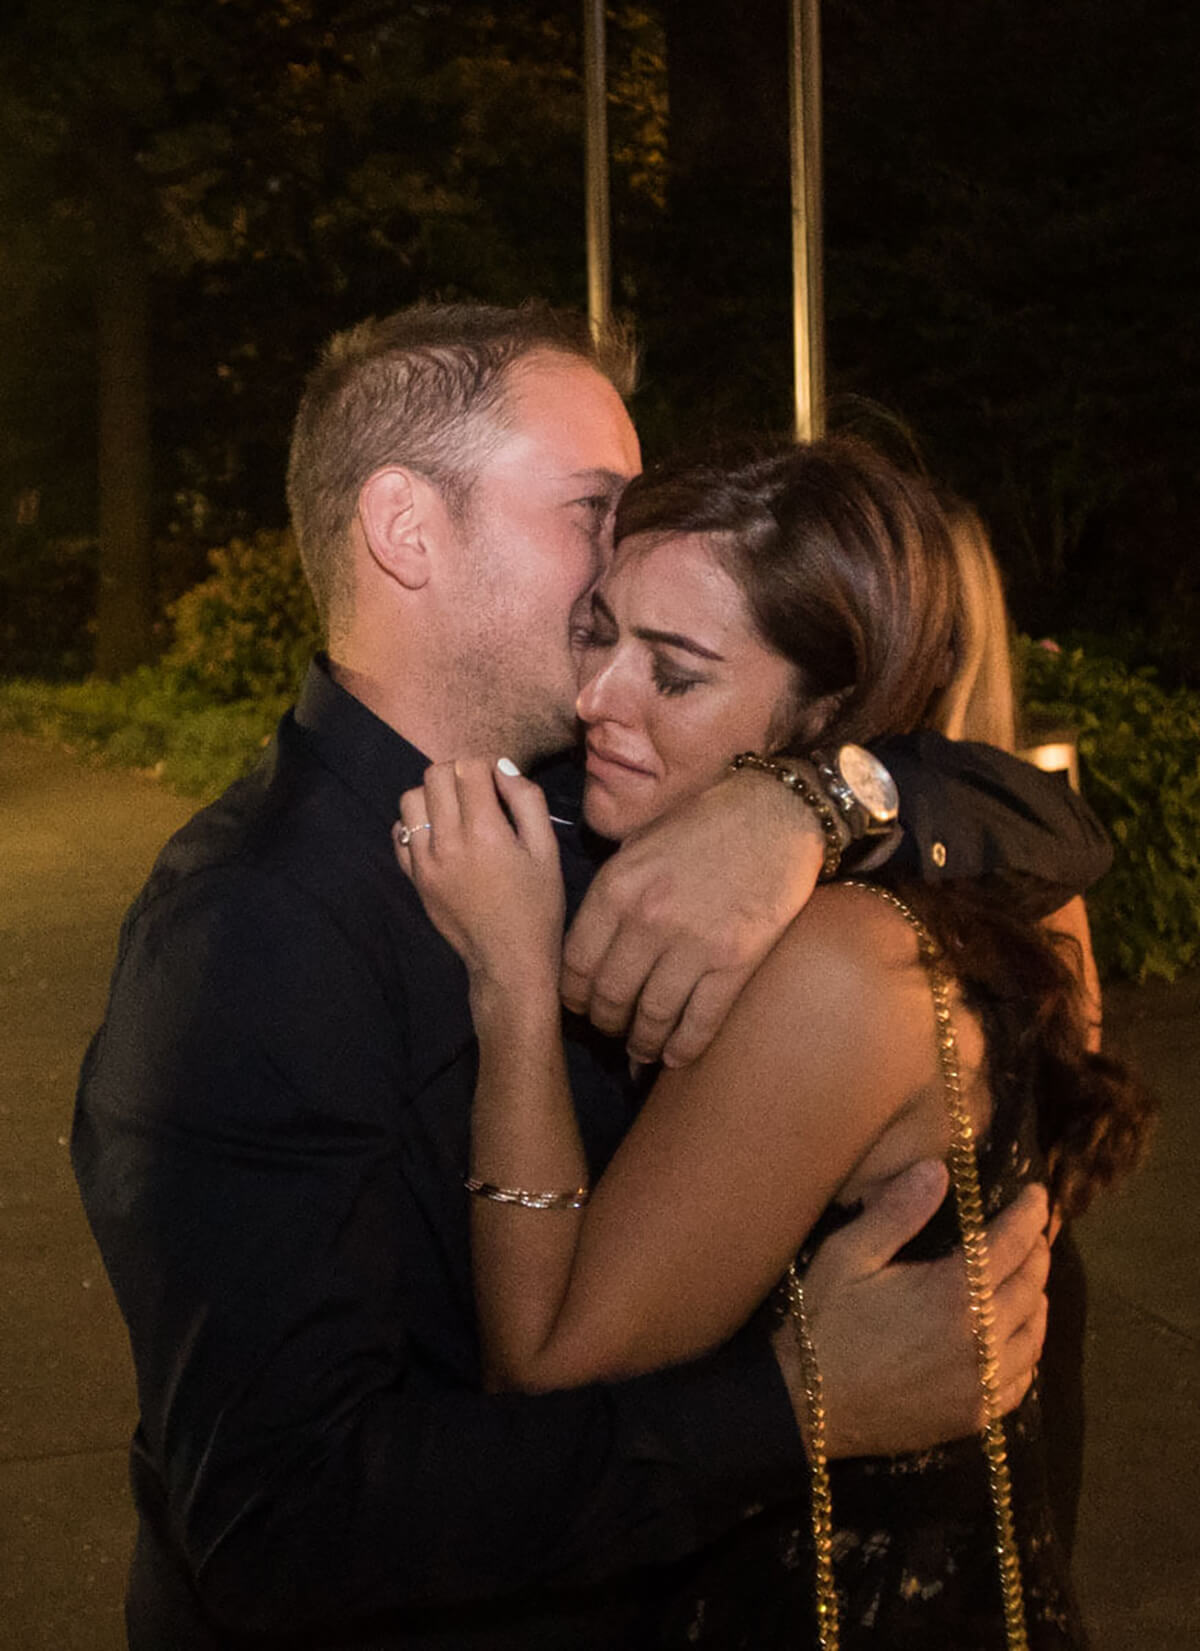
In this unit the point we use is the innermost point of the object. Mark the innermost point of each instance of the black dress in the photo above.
(914, 1556)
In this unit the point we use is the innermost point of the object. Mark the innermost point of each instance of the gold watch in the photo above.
(861, 790)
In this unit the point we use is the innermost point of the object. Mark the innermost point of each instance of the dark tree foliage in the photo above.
(717, 319)
(1012, 253)
(1012, 248)
(202, 190)
(1010, 269)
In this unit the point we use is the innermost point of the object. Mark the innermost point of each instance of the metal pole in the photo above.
(808, 298)
(599, 257)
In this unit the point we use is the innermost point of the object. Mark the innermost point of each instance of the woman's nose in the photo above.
(598, 697)
(588, 699)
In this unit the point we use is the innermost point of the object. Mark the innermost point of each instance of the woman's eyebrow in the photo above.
(676, 639)
(646, 633)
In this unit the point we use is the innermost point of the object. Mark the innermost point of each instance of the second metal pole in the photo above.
(599, 256)
(808, 297)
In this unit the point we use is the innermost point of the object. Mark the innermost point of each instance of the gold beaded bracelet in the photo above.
(819, 803)
(575, 1199)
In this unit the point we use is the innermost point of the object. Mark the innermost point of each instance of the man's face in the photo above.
(536, 535)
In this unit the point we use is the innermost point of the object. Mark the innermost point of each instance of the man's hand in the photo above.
(678, 920)
(893, 1339)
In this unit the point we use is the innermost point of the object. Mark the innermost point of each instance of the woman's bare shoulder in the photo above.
(846, 972)
(852, 931)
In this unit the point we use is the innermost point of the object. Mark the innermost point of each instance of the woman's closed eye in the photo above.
(670, 680)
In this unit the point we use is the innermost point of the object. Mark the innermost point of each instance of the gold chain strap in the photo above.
(964, 1176)
(818, 1456)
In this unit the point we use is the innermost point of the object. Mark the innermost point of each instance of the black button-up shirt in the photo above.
(270, 1138)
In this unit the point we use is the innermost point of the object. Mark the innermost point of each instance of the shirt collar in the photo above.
(377, 763)
(364, 752)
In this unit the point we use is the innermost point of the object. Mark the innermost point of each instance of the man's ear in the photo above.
(402, 516)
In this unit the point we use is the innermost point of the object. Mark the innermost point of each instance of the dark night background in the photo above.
(194, 193)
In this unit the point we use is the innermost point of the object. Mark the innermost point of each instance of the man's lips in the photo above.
(602, 764)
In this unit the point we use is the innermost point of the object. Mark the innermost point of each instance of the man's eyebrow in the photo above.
(644, 633)
(600, 481)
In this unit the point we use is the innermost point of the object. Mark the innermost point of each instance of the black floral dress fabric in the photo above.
(914, 1555)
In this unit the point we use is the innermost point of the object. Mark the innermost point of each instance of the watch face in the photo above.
(872, 785)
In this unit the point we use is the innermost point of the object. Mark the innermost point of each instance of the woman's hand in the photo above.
(491, 881)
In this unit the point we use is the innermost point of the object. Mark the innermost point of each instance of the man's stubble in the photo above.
(512, 680)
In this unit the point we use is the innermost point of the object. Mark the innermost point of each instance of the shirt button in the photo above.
(938, 855)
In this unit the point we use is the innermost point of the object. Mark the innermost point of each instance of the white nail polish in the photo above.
(507, 766)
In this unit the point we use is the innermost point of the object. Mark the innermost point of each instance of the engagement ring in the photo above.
(406, 833)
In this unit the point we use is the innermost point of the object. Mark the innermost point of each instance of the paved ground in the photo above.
(1139, 1544)
(75, 844)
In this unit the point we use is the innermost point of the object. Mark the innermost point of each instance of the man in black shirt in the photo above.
(272, 1123)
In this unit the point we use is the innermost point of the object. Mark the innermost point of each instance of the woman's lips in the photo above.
(607, 765)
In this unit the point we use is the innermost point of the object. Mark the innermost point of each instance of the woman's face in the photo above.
(673, 681)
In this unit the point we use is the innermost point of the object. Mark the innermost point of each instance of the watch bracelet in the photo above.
(816, 800)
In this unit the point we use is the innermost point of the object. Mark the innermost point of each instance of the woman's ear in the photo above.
(811, 719)
(401, 514)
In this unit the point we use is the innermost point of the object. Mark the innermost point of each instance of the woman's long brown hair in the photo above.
(849, 571)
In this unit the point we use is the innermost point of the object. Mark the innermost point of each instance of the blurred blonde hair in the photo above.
(978, 701)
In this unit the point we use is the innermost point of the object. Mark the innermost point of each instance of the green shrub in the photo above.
(248, 630)
(216, 744)
(242, 640)
(1139, 750)
(146, 721)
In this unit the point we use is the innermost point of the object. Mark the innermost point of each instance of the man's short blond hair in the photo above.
(424, 388)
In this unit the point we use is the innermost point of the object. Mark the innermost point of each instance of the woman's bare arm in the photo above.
(727, 1168)
(523, 1135)
(491, 882)
(731, 1160)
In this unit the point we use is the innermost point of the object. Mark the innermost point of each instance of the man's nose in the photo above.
(603, 551)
